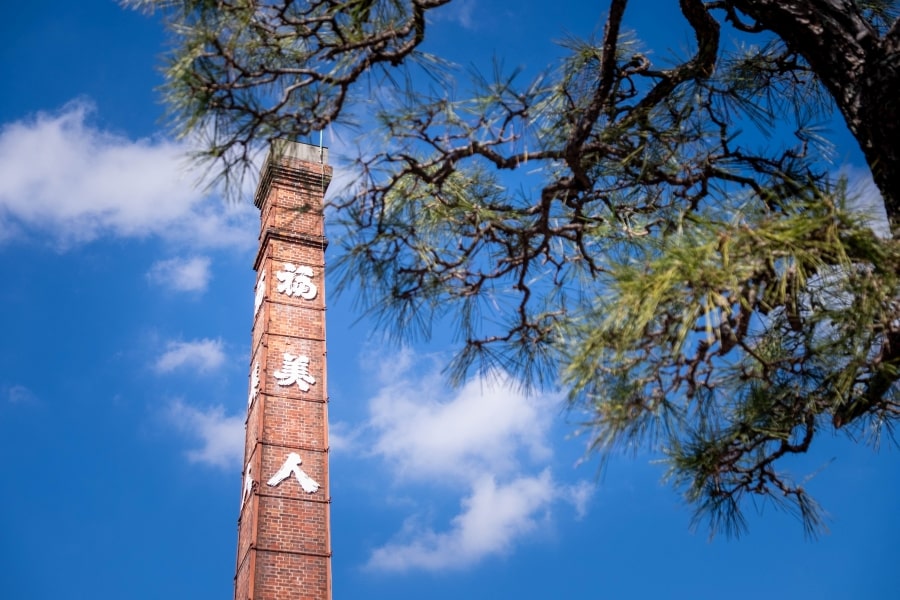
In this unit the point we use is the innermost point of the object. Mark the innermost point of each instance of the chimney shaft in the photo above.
(284, 541)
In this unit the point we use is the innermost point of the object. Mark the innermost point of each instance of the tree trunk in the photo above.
(878, 122)
(859, 68)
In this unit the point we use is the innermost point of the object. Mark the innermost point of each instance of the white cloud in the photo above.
(459, 12)
(493, 518)
(865, 198)
(580, 495)
(203, 355)
(19, 394)
(341, 437)
(182, 274)
(222, 436)
(486, 425)
(64, 177)
(487, 439)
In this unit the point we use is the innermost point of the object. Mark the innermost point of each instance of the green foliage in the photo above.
(646, 237)
(731, 343)
(243, 73)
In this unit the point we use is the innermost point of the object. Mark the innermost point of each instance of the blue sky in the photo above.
(125, 313)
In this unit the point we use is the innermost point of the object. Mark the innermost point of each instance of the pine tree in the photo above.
(719, 303)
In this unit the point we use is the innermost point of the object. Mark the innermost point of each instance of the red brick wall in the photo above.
(284, 546)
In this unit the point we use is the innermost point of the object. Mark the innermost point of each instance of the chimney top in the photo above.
(285, 149)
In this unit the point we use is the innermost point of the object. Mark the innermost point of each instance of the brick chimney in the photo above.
(284, 542)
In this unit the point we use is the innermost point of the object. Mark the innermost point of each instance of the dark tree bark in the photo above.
(859, 67)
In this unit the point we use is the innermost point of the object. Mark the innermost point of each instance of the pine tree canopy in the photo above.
(665, 237)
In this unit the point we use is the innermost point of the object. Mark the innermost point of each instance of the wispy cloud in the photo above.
(487, 441)
(222, 436)
(182, 274)
(341, 437)
(865, 199)
(19, 394)
(487, 425)
(203, 355)
(493, 517)
(62, 176)
(461, 13)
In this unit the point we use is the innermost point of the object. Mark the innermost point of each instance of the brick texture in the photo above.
(284, 545)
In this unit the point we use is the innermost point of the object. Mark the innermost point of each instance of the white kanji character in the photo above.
(296, 281)
(254, 385)
(248, 484)
(295, 369)
(292, 465)
(260, 292)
